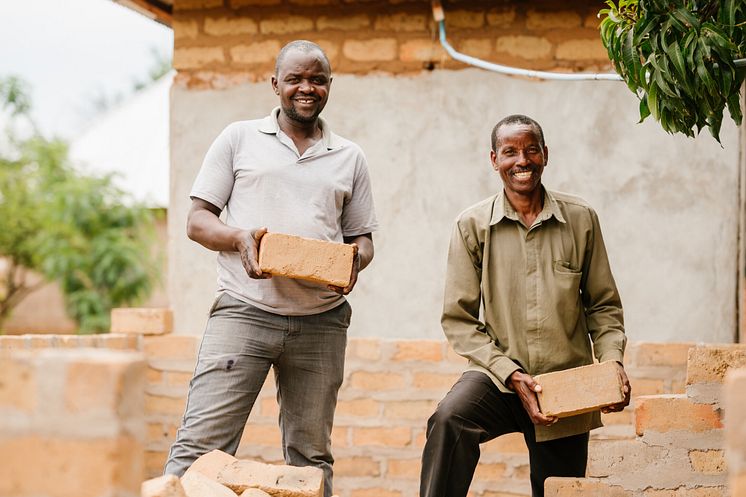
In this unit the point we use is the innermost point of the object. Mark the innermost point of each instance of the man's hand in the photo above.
(248, 248)
(526, 388)
(626, 388)
(353, 276)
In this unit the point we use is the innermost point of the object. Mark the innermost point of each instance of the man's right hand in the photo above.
(247, 246)
(525, 387)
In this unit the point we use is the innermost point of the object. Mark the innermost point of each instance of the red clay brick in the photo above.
(663, 413)
(709, 363)
(304, 258)
(581, 487)
(579, 390)
(419, 350)
(142, 321)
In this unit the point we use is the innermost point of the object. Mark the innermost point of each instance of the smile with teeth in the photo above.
(522, 175)
(305, 100)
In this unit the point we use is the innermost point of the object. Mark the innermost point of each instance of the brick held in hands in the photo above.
(305, 258)
(578, 390)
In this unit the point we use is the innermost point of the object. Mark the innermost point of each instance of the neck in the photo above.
(298, 129)
(527, 206)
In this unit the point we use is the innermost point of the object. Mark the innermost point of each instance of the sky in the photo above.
(71, 51)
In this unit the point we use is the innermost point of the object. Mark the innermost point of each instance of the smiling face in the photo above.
(519, 158)
(302, 81)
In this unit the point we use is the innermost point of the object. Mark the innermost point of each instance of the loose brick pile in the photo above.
(219, 44)
(217, 474)
(679, 447)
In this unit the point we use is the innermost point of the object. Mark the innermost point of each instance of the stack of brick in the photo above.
(71, 422)
(220, 44)
(217, 474)
(679, 448)
(735, 430)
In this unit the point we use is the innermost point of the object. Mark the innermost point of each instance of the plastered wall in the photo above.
(668, 205)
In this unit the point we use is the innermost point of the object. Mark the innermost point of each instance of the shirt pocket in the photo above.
(565, 295)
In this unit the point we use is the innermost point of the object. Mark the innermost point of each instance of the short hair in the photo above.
(304, 46)
(517, 119)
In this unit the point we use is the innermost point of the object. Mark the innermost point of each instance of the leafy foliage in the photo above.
(677, 57)
(78, 230)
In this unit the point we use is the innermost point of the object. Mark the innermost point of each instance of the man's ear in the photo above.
(273, 81)
(493, 159)
(546, 156)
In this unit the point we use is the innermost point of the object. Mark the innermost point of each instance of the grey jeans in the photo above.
(239, 346)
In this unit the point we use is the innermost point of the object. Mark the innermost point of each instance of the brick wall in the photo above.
(679, 448)
(71, 421)
(221, 43)
(391, 387)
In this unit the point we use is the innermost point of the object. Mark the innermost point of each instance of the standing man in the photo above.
(286, 173)
(534, 262)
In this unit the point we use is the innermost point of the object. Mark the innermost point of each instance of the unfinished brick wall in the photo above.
(219, 43)
(71, 422)
(391, 387)
(735, 430)
(679, 448)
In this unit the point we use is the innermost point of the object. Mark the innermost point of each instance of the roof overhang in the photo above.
(159, 10)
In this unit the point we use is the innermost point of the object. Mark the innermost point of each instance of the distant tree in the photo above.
(678, 56)
(80, 231)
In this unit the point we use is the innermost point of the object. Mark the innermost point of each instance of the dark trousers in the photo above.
(474, 412)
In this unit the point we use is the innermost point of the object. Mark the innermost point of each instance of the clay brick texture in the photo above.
(304, 258)
(580, 390)
(390, 389)
(223, 43)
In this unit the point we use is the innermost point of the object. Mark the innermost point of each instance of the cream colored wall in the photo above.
(667, 204)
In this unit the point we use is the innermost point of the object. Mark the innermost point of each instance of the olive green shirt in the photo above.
(547, 297)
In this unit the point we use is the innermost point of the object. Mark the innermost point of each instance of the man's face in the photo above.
(302, 82)
(520, 158)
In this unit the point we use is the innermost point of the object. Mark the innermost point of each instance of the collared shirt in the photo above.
(546, 294)
(256, 173)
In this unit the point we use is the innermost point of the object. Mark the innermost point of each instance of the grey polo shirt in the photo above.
(254, 171)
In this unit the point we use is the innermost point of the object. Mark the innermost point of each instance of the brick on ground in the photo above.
(211, 464)
(578, 390)
(254, 492)
(581, 487)
(305, 258)
(163, 486)
(143, 321)
(198, 485)
(277, 480)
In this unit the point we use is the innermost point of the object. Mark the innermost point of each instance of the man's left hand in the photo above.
(626, 389)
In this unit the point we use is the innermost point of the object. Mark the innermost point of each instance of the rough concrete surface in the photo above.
(667, 204)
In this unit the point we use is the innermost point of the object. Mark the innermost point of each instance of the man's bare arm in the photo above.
(205, 227)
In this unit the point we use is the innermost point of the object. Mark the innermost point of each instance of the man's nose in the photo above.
(306, 86)
(522, 158)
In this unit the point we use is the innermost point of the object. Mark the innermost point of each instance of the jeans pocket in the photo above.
(215, 303)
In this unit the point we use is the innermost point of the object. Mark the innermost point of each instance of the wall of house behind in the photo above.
(668, 205)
